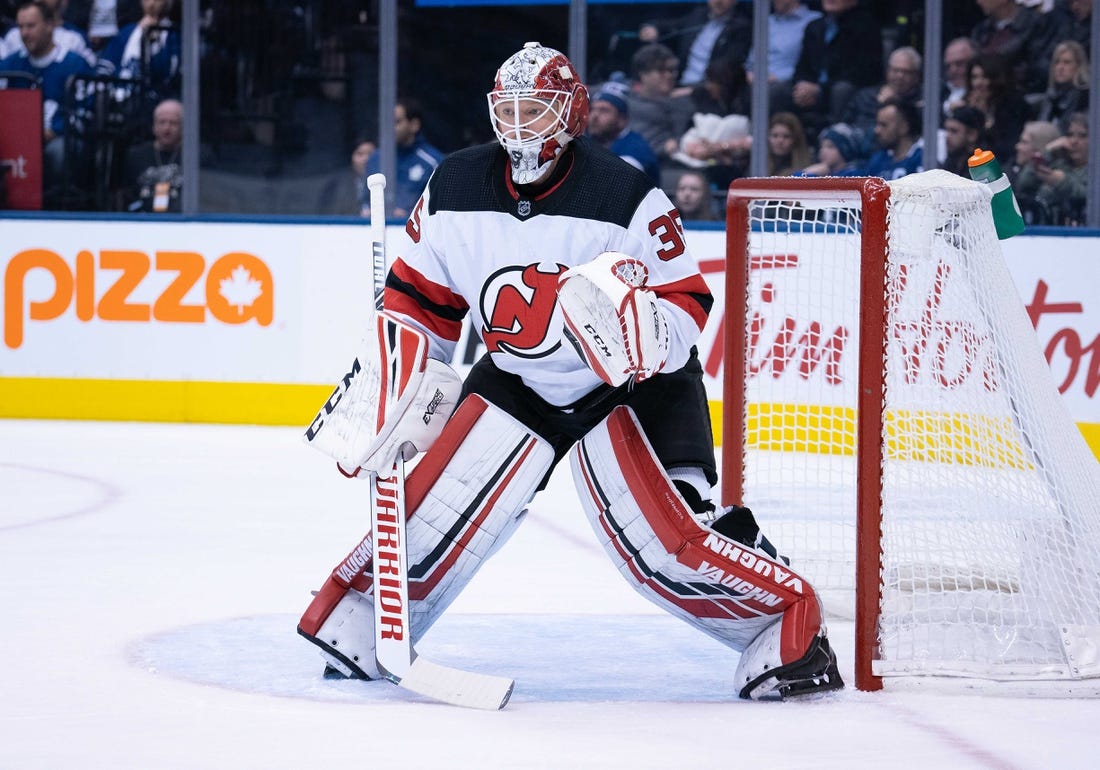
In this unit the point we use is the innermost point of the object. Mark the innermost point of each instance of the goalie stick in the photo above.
(396, 658)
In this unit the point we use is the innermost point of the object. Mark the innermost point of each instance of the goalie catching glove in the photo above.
(617, 325)
(394, 399)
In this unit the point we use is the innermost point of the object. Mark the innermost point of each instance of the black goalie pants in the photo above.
(671, 408)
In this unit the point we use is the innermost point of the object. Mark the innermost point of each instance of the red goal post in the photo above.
(890, 418)
(871, 195)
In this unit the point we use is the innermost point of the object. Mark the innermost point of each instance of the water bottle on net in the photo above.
(1006, 211)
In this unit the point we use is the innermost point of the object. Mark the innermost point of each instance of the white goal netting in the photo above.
(990, 498)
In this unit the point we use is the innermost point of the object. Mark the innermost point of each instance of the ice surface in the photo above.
(151, 577)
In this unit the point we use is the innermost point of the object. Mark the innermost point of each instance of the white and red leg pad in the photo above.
(465, 498)
(726, 589)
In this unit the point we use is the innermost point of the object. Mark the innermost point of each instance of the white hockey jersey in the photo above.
(477, 244)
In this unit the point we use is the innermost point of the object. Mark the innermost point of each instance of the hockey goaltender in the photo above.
(589, 304)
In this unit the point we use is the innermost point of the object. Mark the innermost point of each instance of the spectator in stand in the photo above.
(1078, 25)
(1032, 144)
(1021, 35)
(838, 152)
(65, 36)
(416, 159)
(957, 56)
(723, 149)
(609, 125)
(53, 66)
(962, 130)
(787, 147)
(903, 83)
(1031, 151)
(1062, 175)
(724, 91)
(716, 32)
(1059, 23)
(341, 194)
(900, 153)
(841, 52)
(786, 25)
(102, 19)
(694, 198)
(6, 28)
(993, 91)
(1068, 90)
(655, 113)
(149, 49)
(154, 170)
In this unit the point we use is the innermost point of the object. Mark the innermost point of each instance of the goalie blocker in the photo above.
(393, 400)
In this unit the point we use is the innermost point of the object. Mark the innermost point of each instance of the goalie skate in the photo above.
(340, 623)
(813, 673)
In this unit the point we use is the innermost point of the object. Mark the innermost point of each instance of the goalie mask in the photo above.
(537, 106)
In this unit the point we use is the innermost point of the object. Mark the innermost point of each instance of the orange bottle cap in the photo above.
(979, 157)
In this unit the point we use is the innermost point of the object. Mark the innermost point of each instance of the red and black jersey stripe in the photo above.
(437, 307)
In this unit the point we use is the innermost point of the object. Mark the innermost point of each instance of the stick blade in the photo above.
(457, 687)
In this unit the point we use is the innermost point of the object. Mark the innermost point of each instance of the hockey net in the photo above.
(890, 417)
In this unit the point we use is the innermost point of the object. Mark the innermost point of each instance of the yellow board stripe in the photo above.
(248, 403)
(958, 439)
(772, 426)
(964, 439)
(801, 428)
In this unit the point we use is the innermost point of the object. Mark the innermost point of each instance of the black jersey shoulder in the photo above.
(604, 186)
(464, 179)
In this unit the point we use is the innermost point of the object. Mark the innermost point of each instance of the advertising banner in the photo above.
(277, 311)
(21, 147)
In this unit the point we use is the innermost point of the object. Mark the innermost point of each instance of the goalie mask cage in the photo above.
(889, 415)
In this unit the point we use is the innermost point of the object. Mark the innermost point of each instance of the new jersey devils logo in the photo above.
(518, 304)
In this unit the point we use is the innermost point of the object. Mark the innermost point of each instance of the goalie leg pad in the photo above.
(729, 590)
(465, 499)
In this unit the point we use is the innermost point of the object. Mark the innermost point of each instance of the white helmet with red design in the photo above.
(537, 106)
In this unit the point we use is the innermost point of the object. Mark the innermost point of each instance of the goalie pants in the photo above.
(670, 407)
